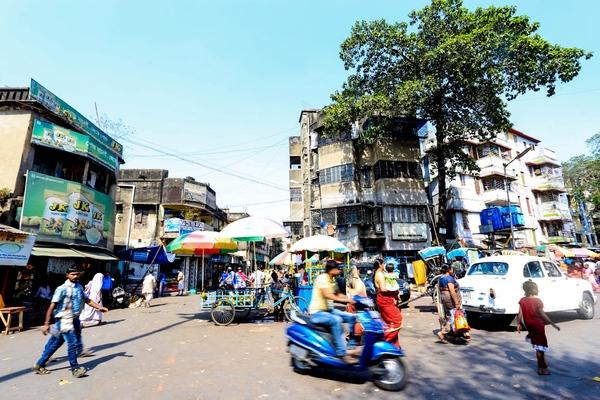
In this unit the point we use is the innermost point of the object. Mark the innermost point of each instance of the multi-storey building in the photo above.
(59, 172)
(534, 183)
(152, 209)
(372, 198)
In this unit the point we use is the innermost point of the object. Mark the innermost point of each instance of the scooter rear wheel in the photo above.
(390, 374)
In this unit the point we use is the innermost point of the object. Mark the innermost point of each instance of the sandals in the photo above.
(40, 370)
(543, 372)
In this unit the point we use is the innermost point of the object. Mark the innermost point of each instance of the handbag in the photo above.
(460, 322)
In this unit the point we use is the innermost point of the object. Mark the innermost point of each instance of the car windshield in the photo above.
(489, 268)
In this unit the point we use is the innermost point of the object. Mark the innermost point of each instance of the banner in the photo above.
(63, 211)
(182, 226)
(59, 107)
(15, 249)
(51, 135)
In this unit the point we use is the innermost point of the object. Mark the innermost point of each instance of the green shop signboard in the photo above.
(63, 211)
(47, 134)
(59, 107)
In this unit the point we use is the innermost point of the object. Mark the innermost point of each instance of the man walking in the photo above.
(66, 305)
(148, 287)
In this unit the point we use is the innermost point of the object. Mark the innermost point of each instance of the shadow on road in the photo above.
(186, 318)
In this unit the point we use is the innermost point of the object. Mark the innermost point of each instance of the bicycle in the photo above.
(287, 301)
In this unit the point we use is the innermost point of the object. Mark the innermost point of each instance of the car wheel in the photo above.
(586, 308)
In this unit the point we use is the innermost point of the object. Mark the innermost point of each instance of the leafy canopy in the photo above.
(582, 174)
(451, 66)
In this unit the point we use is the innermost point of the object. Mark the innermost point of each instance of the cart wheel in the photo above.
(223, 312)
(298, 304)
(243, 313)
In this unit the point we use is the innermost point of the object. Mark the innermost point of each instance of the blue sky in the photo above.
(223, 82)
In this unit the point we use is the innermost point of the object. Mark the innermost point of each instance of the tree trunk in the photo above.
(440, 161)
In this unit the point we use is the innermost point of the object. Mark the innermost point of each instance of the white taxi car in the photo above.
(494, 285)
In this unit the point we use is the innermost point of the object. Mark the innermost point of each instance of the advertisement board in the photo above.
(51, 135)
(410, 231)
(59, 107)
(182, 226)
(15, 249)
(63, 211)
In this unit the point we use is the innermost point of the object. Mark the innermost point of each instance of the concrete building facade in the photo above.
(153, 209)
(59, 173)
(372, 198)
(534, 183)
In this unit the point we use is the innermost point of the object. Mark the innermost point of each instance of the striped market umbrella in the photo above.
(201, 243)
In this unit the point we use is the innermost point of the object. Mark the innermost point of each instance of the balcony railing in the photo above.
(497, 197)
(548, 182)
(553, 211)
(494, 165)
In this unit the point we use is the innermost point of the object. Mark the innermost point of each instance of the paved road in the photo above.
(172, 351)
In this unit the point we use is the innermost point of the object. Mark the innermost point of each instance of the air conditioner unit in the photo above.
(378, 228)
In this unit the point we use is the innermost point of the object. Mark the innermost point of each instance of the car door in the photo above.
(556, 283)
(533, 271)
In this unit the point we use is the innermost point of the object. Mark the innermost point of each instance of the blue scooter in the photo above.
(310, 346)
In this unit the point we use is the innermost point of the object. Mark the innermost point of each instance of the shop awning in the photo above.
(68, 252)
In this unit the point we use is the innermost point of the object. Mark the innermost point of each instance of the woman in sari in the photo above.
(387, 305)
(90, 316)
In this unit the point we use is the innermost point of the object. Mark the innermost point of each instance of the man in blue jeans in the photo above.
(323, 313)
(66, 305)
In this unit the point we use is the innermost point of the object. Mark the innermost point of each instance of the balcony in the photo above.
(494, 165)
(553, 211)
(546, 183)
(542, 157)
(295, 177)
(497, 197)
(560, 237)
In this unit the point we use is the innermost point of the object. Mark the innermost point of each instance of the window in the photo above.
(141, 218)
(528, 205)
(365, 177)
(551, 270)
(465, 221)
(494, 183)
(489, 268)
(533, 270)
(339, 173)
(405, 214)
(463, 179)
(295, 194)
(397, 169)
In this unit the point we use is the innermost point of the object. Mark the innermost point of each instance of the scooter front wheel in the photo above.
(389, 373)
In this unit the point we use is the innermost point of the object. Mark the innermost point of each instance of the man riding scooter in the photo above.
(323, 313)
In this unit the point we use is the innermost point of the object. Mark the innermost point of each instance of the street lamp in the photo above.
(512, 229)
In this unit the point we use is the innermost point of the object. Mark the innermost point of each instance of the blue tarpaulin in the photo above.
(147, 255)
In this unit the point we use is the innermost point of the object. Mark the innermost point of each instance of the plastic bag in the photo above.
(460, 322)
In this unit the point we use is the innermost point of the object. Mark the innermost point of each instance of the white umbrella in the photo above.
(319, 243)
(254, 229)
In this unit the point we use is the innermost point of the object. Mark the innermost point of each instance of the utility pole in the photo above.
(512, 229)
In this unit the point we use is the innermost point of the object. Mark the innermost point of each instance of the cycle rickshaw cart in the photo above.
(225, 305)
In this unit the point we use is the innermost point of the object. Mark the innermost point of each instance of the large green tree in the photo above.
(451, 66)
(582, 175)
